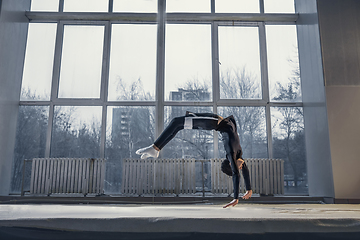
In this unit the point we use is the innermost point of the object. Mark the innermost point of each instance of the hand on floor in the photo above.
(247, 195)
(232, 203)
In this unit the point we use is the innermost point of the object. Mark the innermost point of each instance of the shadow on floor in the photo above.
(15, 233)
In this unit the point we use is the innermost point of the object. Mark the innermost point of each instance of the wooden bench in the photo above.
(66, 175)
(158, 176)
(266, 176)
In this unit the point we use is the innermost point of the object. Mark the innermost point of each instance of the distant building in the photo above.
(190, 95)
(198, 95)
(120, 124)
(124, 124)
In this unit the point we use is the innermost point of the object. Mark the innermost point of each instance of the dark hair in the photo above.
(226, 168)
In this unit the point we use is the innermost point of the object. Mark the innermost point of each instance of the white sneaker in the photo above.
(148, 152)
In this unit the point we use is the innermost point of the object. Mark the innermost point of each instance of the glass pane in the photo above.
(45, 5)
(86, 5)
(30, 141)
(237, 6)
(188, 6)
(39, 59)
(251, 127)
(76, 132)
(135, 6)
(81, 62)
(191, 143)
(239, 56)
(132, 62)
(279, 6)
(283, 63)
(289, 145)
(188, 62)
(188, 143)
(128, 129)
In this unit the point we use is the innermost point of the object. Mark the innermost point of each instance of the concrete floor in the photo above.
(144, 221)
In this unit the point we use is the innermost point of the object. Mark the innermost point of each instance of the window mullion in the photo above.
(111, 6)
(49, 131)
(105, 63)
(160, 68)
(57, 61)
(104, 86)
(265, 86)
(55, 84)
(269, 132)
(103, 131)
(215, 63)
(263, 62)
(261, 4)
(61, 5)
(215, 76)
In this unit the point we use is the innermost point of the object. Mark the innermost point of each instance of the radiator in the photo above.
(67, 175)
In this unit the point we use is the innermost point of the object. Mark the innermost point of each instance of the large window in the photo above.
(283, 63)
(188, 6)
(38, 66)
(128, 128)
(132, 73)
(86, 5)
(289, 145)
(45, 5)
(108, 82)
(81, 61)
(237, 6)
(146, 6)
(239, 62)
(76, 131)
(188, 62)
(251, 127)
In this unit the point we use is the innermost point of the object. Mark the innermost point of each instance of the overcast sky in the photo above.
(133, 48)
(245, 6)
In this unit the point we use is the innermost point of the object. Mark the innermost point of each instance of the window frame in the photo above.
(161, 18)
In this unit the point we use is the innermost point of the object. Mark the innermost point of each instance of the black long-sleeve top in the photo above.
(227, 128)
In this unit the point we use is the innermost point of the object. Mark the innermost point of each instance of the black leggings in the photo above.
(203, 121)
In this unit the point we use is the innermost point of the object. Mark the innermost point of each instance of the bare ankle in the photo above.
(156, 148)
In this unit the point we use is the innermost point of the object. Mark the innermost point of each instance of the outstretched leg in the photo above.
(169, 133)
(205, 121)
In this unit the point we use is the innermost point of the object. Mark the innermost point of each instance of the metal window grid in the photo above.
(161, 19)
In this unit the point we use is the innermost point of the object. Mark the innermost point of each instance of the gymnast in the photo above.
(209, 121)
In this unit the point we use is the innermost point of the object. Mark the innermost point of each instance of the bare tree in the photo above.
(289, 141)
(188, 143)
(30, 136)
(74, 140)
(196, 90)
(251, 120)
(130, 128)
(133, 91)
(240, 84)
(30, 139)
